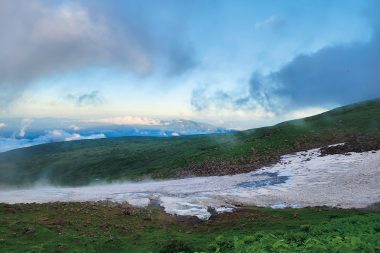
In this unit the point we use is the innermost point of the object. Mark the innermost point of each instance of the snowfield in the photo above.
(298, 180)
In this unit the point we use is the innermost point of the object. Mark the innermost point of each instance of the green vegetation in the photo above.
(110, 227)
(81, 162)
(106, 227)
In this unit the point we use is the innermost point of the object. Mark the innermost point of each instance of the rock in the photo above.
(212, 211)
(29, 231)
(57, 222)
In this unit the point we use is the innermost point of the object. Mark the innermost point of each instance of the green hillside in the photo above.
(99, 227)
(81, 162)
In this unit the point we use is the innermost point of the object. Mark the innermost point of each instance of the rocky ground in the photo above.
(353, 145)
(220, 167)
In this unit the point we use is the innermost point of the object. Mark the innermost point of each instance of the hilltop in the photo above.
(133, 158)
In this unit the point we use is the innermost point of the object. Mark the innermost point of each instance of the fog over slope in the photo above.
(298, 180)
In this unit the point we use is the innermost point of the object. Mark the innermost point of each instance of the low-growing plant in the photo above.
(348, 235)
(175, 246)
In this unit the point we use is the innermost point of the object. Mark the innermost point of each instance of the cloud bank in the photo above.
(127, 120)
(52, 136)
(41, 39)
(334, 75)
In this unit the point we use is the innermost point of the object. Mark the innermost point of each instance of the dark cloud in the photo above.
(202, 100)
(199, 100)
(334, 75)
(339, 74)
(85, 99)
(165, 35)
(39, 39)
(181, 59)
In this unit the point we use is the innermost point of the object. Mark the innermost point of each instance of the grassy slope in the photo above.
(84, 227)
(80, 162)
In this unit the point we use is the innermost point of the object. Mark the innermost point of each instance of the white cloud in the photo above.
(60, 135)
(43, 39)
(74, 127)
(2, 125)
(24, 125)
(7, 144)
(127, 120)
(271, 22)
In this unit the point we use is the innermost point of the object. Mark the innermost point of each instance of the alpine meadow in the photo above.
(194, 126)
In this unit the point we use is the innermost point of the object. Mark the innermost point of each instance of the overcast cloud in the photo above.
(223, 61)
(40, 39)
(335, 75)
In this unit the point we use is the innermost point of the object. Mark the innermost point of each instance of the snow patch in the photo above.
(298, 180)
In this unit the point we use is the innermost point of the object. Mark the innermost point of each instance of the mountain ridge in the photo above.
(134, 158)
(18, 133)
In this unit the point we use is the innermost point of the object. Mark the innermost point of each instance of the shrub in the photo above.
(175, 246)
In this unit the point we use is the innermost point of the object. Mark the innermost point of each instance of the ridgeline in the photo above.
(134, 158)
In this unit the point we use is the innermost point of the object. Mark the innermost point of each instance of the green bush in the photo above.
(175, 246)
(347, 235)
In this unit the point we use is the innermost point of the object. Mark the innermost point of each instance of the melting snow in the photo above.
(298, 180)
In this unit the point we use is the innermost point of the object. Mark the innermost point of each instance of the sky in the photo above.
(235, 64)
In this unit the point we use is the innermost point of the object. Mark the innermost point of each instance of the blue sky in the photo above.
(237, 64)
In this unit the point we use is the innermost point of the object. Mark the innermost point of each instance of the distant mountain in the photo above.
(17, 132)
(160, 128)
(128, 158)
